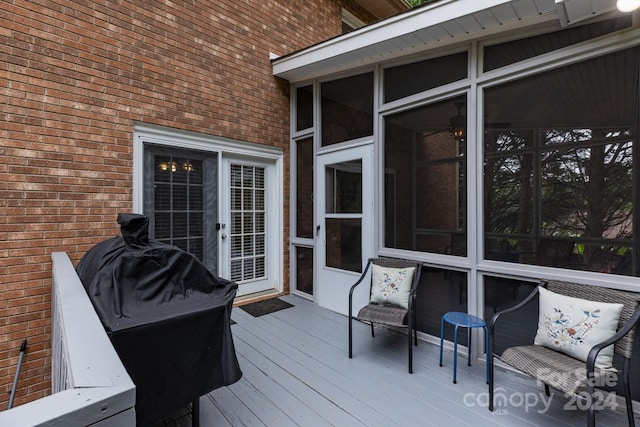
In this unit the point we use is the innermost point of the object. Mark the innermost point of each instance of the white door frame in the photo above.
(332, 284)
(152, 134)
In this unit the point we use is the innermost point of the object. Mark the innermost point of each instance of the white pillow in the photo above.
(574, 325)
(391, 285)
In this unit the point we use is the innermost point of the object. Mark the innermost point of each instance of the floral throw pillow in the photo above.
(391, 285)
(574, 325)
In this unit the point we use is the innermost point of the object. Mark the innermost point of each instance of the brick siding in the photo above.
(74, 77)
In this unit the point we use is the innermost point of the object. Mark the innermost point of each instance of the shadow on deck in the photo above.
(296, 372)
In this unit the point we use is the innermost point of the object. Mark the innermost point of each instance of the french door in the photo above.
(248, 228)
(344, 232)
(230, 221)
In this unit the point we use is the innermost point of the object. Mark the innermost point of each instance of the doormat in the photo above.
(260, 308)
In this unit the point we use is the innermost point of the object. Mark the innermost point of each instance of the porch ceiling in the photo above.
(435, 25)
(384, 8)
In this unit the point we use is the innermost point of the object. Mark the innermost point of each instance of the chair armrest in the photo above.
(518, 306)
(353, 287)
(593, 353)
(414, 286)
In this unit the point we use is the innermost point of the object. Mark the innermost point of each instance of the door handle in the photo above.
(318, 230)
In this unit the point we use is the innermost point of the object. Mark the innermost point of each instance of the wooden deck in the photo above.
(296, 371)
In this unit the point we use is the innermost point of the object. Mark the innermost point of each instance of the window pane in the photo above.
(425, 188)
(180, 173)
(347, 109)
(304, 269)
(195, 168)
(344, 249)
(258, 178)
(162, 164)
(304, 107)
(195, 198)
(509, 194)
(180, 197)
(162, 196)
(162, 229)
(247, 199)
(236, 175)
(501, 293)
(511, 52)
(196, 248)
(181, 243)
(304, 188)
(236, 198)
(409, 79)
(259, 244)
(259, 222)
(195, 224)
(179, 225)
(441, 291)
(259, 266)
(344, 187)
(559, 182)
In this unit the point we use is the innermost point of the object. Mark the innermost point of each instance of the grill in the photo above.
(167, 315)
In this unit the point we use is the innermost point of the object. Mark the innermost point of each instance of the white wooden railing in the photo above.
(90, 385)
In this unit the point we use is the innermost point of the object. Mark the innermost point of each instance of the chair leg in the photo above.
(350, 338)
(441, 339)
(627, 392)
(490, 371)
(486, 351)
(469, 330)
(372, 333)
(410, 338)
(195, 413)
(455, 354)
(415, 328)
(546, 390)
(591, 412)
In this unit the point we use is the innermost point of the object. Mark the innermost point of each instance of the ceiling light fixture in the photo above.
(458, 123)
(627, 5)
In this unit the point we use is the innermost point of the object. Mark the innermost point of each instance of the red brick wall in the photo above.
(74, 76)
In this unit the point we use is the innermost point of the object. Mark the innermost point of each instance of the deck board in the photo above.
(296, 371)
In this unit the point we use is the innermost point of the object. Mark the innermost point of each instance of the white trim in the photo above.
(274, 219)
(400, 35)
(390, 28)
(152, 134)
(351, 20)
(146, 133)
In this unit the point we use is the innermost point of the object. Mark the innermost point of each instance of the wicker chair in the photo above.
(387, 314)
(568, 374)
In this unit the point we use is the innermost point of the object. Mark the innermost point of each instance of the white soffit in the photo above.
(572, 11)
(439, 24)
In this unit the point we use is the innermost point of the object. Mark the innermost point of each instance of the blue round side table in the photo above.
(458, 319)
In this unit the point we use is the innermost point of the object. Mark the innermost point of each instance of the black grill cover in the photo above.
(167, 315)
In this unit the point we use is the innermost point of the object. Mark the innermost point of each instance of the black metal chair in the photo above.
(561, 371)
(385, 313)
